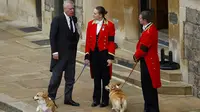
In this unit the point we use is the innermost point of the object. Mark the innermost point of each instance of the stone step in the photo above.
(124, 57)
(163, 42)
(168, 75)
(163, 38)
(170, 88)
(130, 46)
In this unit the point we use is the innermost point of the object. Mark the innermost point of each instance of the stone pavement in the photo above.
(24, 71)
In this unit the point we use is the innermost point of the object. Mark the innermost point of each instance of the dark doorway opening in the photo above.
(159, 9)
(58, 7)
(144, 5)
(39, 13)
(161, 13)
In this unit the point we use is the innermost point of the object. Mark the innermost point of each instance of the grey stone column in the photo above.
(79, 15)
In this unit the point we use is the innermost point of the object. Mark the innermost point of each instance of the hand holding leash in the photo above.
(87, 62)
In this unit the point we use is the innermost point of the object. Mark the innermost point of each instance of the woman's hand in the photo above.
(87, 62)
(55, 56)
(109, 62)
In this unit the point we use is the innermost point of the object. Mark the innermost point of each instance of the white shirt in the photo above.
(68, 21)
(99, 24)
(145, 26)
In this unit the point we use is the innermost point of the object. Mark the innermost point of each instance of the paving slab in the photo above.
(19, 66)
(5, 36)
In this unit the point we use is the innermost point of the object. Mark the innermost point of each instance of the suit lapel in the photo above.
(65, 22)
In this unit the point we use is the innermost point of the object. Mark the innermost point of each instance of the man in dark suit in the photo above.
(63, 39)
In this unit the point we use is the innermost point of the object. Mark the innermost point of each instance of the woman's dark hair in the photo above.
(101, 11)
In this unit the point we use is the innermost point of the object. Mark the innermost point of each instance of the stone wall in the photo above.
(51, 8)
(3, 7)
(174, 40)
(124, 14)
(22, 10)
(192, 47)
(79, 15)
(47, 15)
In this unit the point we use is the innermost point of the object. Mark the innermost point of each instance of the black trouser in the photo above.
(67, 65)
(100, 71)
(150, 94)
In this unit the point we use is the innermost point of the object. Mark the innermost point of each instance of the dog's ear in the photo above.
(45, 94)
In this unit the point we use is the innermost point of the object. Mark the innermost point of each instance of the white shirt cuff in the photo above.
(55, 53)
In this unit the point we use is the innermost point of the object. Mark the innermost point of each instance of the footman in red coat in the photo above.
(100, 50)
(147, 54)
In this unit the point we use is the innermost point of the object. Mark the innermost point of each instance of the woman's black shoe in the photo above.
(103, 104)
(94, 104)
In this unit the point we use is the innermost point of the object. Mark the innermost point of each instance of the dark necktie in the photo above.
(71, 25)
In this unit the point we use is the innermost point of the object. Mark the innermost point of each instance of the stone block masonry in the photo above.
(192, 48)
(20, 10)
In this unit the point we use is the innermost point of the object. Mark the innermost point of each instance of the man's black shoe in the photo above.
(72, 103)
(94, 104)
(103, 104)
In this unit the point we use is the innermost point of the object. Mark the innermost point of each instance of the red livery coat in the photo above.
(105, 39)
(149, 41)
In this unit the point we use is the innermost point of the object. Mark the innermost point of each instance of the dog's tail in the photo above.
(121, 102)
(123, 105)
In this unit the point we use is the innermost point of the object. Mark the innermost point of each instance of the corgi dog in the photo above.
(117, 97)
(45, 104)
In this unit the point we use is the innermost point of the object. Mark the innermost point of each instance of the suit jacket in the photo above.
(147, 47)
(105, 40)
(62, 39)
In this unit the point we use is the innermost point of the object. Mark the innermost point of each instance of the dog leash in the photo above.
(74, 82)
(70, 88)
(129, 74)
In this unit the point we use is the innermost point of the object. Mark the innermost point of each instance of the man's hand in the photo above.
(87, 62)
(134, 59)
(109, 62)
(55, 56)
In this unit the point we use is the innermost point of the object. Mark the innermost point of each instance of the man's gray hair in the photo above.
(147, 15)
(66, 2)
